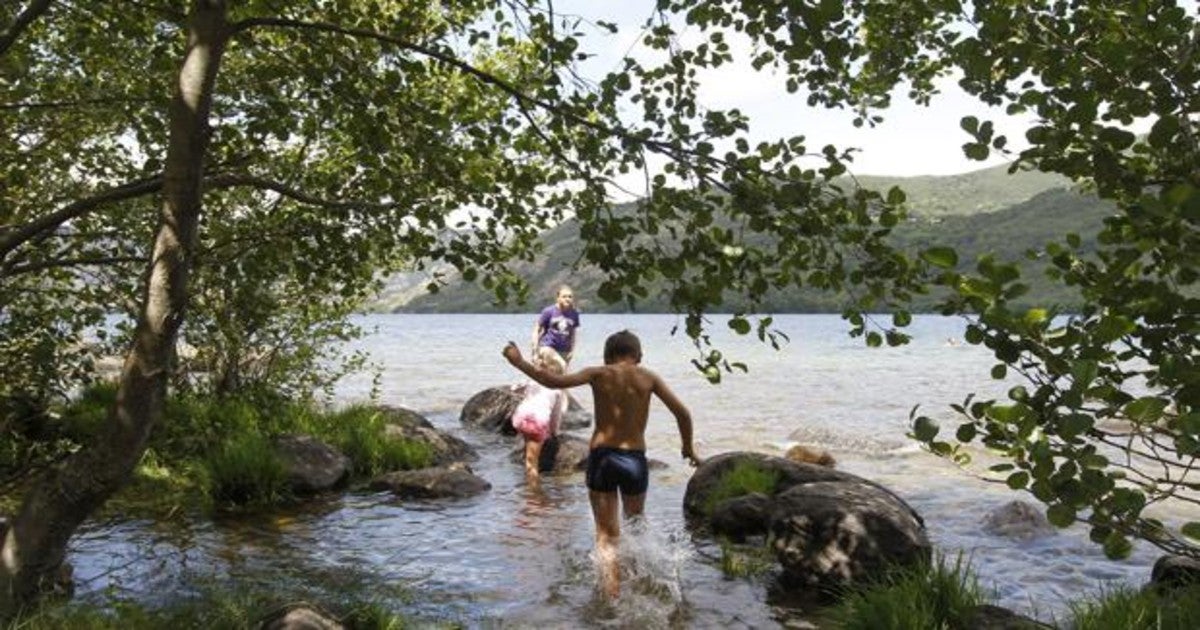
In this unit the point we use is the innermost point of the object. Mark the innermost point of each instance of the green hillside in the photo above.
(1048, 215)
(985, 190)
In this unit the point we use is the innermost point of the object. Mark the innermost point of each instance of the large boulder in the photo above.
(453, 482)
(991, 617)
(1018, 520)
(311, 465)
(492, 409)
(831, 534)
(741, 517)
(828, 528)
(1172, 572)
(409, 425)
(561, 454)
(708, 476)
(576, 418)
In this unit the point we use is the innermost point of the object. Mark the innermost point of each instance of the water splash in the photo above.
(652, 586)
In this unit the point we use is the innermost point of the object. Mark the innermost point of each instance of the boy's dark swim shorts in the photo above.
(612, 468)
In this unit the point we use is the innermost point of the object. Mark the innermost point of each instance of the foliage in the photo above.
(745, 477)
(929, 595)
(1119, 608)
(1107, 425)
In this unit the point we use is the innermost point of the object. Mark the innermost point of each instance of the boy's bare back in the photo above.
(621, 393)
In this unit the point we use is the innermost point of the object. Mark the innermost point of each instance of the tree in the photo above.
(1109, 423)
(377, 133)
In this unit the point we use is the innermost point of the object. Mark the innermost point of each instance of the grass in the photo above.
(929, 595)
(741, 561)
(1122, 608)
(217, 451)
(225, 609)
(246, 471)
(743, 478)
(360, 433)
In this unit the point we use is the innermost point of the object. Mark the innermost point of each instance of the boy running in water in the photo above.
(617, 473)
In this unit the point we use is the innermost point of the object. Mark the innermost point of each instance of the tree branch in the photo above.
(24, 19)
(665, 148)
(14, 237)
(68, 262)
(231, 180)
(64, 104)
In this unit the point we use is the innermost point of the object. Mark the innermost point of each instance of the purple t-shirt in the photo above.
(558, 328)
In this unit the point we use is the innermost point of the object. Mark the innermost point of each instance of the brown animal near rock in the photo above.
(808, 455)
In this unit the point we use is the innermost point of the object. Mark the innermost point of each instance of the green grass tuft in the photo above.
(246, 471)
(360, 433)
(744, 478)
(929, 595)
(742, 561)
(1122, 608)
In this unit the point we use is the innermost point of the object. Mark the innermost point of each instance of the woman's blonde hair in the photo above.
(548, 359)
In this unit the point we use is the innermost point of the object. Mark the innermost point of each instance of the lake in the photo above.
(514, 557)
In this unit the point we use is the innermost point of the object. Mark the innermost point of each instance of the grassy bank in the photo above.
(217, 453)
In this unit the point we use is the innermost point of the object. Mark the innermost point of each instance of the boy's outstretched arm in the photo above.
(683, 418)
(557, 381)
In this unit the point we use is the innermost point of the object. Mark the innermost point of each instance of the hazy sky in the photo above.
(912, 140)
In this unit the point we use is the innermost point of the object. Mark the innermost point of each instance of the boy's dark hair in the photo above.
(622, 344)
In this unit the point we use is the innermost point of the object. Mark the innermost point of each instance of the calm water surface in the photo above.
(518, 558)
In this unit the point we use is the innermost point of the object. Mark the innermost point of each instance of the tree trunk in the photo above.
(35, 544)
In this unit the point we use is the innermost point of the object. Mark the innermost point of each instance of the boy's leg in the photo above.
(634, 504)
(608, 534)
(533, 453)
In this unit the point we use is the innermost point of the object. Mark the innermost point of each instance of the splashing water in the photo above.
(652, 594)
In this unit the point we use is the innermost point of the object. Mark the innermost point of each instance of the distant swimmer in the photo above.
(617, 472)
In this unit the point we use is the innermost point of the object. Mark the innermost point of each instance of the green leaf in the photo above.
(1191, 530)
(740, 325)
(1061, 515)
(1145, 410)
(965, 433)
(976, 151)
(1018, 480)
(999, 371)
(925, 429)
(1117, 546)
(874, 339)
(944, 257)
(1112, 327)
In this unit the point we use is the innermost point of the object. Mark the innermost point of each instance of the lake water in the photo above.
(518, 558)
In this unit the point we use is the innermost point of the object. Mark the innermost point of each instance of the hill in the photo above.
(940, 217)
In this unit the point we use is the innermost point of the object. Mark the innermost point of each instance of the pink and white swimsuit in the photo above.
(538, 415)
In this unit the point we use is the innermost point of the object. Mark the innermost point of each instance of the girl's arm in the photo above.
(557, 381)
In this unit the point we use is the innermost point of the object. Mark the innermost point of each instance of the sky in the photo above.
(912, 140)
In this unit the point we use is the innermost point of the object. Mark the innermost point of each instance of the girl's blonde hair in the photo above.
(551, 361)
